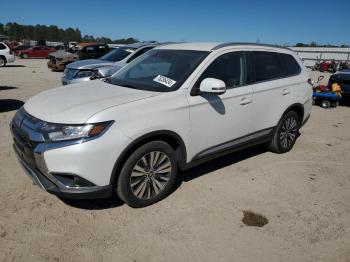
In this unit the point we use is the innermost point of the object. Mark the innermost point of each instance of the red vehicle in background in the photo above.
(36, 52)
(328, 66)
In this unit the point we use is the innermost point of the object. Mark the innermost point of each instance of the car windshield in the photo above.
(159, 70)
(118, 54)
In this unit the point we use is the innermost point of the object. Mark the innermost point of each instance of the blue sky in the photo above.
(275, 22)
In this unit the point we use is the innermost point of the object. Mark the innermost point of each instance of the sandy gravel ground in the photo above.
(304, 194)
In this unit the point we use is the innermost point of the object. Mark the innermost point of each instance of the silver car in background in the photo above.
(86, 70)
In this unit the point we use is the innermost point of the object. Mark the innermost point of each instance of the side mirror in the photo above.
(212, 86)
(320, 78)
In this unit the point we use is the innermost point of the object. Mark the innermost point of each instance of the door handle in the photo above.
(285, 92)
(245, 101)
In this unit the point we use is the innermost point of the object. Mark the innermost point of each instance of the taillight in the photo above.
(11, 52)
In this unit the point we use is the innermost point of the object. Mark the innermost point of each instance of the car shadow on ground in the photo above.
(221, 162)
(94, 204)
(7, 105)
(2, 88)
(14, 66)
(184, 176)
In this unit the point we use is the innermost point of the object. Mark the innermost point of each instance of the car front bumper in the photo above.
(53, 186)
(55, 66)
(71, 169)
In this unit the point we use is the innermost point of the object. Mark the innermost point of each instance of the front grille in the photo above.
(22, 126)
(52, 59)
(24, 147)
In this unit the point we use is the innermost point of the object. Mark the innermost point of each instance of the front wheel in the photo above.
(286, 133)
(148, 175)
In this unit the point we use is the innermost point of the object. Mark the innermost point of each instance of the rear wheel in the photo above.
(286, 133)
(148, 175)
(2, 61)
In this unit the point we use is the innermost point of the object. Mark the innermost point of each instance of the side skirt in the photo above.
(256, 138)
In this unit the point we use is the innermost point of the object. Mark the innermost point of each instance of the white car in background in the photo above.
(6, 55)
(105, 66)
(172, 108)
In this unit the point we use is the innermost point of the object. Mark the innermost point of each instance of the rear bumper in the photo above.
(58, 189)
(10, 58)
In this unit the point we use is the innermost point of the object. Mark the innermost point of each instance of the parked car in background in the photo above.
(342, 78)
(59, 59)
(36, 52)
(105, 66)
(172, 108)
(6, 54)
(20, 48)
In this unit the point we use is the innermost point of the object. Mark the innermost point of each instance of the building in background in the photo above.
(311, 55)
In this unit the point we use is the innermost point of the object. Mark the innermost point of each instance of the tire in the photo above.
(325, 104)
(2, 61)
(286, 133)
(139, 180)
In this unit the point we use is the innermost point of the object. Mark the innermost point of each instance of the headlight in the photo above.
(59, 132)
(83, 73)
(96, 74)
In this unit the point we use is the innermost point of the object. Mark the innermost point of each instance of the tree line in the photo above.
(314, 44)
(17, 32)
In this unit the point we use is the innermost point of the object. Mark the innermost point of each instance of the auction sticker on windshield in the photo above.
(164, 80)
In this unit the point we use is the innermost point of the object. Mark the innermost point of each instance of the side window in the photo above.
(102, 49)
(90, 49)
(138, 53)
(229, 68)
(265, 66)
(2, 46)
(292, 66)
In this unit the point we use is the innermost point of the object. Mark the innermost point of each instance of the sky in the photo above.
(275, 22)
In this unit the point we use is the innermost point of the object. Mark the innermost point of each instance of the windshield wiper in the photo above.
(127, 85)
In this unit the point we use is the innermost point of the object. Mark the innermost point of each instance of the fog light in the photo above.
(70, 180)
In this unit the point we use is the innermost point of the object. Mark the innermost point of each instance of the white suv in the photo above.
(6, 55)
(173, 107)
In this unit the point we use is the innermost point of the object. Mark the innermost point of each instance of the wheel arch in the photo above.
(297, 108)
(170, 137)
(2, 56)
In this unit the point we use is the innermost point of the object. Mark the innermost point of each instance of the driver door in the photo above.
(218, 122)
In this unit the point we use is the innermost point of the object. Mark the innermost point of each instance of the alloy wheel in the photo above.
(150, 175)
(289, 132)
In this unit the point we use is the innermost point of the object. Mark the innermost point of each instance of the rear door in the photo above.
(271, 91)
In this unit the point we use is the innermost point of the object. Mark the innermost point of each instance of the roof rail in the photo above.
(245, 43)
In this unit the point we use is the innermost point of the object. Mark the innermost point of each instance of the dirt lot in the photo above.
(304, 195)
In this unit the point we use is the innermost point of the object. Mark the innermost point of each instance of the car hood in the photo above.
(61, 54)
(89, 64)
(76, 103)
